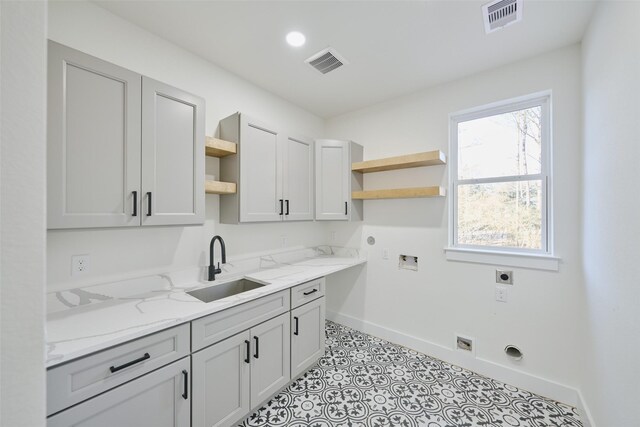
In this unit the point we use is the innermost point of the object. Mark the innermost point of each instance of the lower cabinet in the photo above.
(161, 398)
(307, 335)
(235, 375)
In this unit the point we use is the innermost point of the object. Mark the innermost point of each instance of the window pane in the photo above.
(505, 214)
(502, 145)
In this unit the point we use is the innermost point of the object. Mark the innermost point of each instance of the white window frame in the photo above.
(531, 258)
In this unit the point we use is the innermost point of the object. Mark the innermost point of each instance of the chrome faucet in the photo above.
(212, 269)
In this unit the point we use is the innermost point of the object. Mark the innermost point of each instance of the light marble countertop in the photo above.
(81, 321)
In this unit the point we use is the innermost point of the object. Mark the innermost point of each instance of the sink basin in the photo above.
(223, 290)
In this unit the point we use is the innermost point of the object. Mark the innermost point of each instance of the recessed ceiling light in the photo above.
(296, 38)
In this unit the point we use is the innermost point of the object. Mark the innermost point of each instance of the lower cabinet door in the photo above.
(159, 399)
(221, 382)
(307, 335)
(270, 363)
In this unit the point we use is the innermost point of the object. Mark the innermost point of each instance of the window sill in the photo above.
(508, 259)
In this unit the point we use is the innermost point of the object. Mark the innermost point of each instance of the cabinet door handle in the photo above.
(149, 203)
(287, 202)
(281, 208)
(295, 332)
(257, 353)
(135, 203)
(185, 393)
(310, 292)
(133, 362)
(248, 344)
(346, 204)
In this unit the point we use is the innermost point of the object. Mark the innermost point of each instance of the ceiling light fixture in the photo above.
(296, 38)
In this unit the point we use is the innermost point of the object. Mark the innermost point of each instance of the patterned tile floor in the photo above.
(364, 381)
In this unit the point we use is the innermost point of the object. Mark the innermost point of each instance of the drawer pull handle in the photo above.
(295, 332)
(287, 202)
(248, 344)
(126, 365)
(310, 292)
(185, 393)
(281, 207)
(257, 353)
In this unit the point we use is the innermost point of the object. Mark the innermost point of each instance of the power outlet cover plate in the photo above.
(79, 264)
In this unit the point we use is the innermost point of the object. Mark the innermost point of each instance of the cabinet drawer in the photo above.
(218, 326)
(306, 292)
(82, 379)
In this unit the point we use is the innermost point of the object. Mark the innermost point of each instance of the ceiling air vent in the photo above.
(500, 13)
(326, 60)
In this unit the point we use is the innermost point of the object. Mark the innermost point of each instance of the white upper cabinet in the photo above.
(274, 173)
(172, 155)
(335, 181)
(123, 150)
(93, 142)
(298, 179)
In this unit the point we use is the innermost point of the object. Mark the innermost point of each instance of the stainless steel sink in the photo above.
(223, 290)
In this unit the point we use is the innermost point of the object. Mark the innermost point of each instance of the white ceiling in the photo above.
(393, 47)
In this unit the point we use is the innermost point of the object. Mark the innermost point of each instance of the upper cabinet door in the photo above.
(333, 171)
(260, 172)
(172, 155)
(93, 134)
(298, 179)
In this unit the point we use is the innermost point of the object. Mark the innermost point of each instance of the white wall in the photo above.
(120, 253)
(611, 57)
(22, 213)
(444, 298)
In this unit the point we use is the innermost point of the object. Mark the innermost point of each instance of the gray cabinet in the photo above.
(335, 181)
(298, 176)
(94, 141)
(160, 399)
(240, 373)
(270, 369)
(123, 150)
(307, 335)
(172, 155)
(221, 382)
(273, 172)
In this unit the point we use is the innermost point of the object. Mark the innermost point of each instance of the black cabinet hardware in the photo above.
(126, 365)
(310, 292)
(345, 207)
(295, 332)
(257, 353)
(281, 208)
(287, 202)
(135, 203)
(248, 358)
(149, 203)
(185, 393)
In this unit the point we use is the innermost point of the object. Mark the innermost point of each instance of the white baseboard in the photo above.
(583, 410)
(509, 375)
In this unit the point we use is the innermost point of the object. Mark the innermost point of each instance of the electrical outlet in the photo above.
(283, 241)
(79, 264)
(501, 294)
(385, 253)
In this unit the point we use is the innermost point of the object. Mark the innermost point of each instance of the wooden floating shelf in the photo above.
(215, 147)
(219, 187)
(428, 158)
(399, 193)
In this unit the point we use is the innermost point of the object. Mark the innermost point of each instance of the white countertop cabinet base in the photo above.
(307, 335)
(157, 399)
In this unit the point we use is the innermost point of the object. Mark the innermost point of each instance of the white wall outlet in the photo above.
(501, 293)
(504, 276)
(385, 253)
(79, 264)
(465, 344)
(283, 241)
